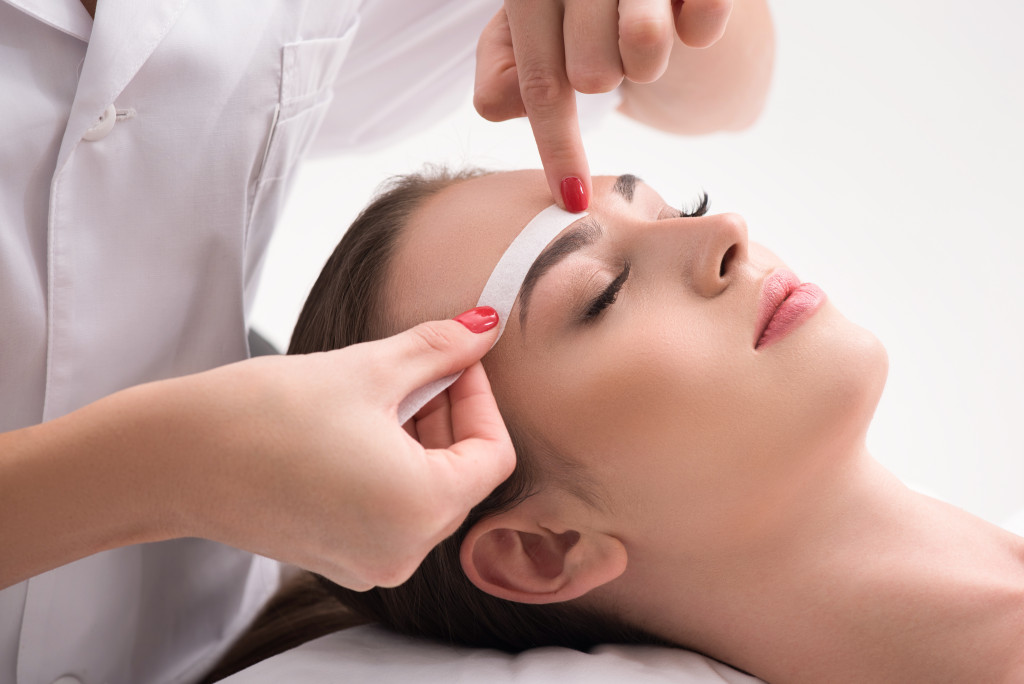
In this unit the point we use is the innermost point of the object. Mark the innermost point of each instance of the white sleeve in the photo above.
(411, 63)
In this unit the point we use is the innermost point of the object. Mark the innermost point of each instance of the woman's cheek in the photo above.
(649, 394)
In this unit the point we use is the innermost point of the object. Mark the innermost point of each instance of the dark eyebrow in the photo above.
(624, 185)
(586, 232)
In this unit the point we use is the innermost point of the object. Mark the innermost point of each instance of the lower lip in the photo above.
(800, 305)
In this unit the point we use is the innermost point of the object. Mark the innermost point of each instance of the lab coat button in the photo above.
(68, 679)
(99, 131)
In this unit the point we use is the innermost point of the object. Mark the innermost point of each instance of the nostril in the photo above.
(726, 260)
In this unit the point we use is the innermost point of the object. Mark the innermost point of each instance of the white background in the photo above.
(888, 167)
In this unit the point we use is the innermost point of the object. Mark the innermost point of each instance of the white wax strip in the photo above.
(501, 289)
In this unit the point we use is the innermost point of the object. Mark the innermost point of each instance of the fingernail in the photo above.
(574, 194)
(478, 320)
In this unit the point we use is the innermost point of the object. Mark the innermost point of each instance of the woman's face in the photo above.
(650, 378)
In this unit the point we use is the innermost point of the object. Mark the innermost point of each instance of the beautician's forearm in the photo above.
(299, 458)
(722, 87)
(81, 484)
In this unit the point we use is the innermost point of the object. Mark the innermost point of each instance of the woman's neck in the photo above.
(866, 581)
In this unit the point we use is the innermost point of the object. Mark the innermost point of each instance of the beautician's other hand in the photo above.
(534, 54)
(300, 458)
(319, 473)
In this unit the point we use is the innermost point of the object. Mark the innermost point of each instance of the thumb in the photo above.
(434, 350)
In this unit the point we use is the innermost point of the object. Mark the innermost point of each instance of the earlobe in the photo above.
(514, 558)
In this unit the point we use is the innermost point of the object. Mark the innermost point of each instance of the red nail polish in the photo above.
(574, 194)
(478, 320)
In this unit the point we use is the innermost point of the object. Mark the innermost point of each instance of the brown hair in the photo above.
(347, 305)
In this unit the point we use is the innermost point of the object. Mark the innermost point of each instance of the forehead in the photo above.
(452, 242)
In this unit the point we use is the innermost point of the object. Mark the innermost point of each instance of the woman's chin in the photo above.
(854, 378)
(835, 371)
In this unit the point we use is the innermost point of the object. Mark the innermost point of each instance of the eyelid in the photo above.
(597, 305)
(668, 212)
(700, 208)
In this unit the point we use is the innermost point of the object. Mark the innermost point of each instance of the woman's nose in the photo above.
(720, 244)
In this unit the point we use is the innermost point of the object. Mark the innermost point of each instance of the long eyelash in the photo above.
(699, 210)
(607, 298)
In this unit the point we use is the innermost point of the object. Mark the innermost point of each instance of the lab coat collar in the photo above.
(68, 16)
(124, 34)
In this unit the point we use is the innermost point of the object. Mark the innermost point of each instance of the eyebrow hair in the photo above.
(624, 185)
(586, 233)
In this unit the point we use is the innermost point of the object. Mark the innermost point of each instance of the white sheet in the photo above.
(373, 654)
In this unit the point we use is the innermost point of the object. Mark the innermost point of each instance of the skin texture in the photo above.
(731, 506)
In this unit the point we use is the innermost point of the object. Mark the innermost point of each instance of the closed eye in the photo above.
(608, 296)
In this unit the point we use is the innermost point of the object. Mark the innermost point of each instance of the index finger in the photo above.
(550, 102)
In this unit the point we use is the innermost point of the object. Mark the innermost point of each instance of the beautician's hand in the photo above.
(299, 458)
(534, 55)
(319, 473)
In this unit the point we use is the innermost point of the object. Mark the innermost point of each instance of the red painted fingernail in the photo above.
(574, 194)
(478, 320)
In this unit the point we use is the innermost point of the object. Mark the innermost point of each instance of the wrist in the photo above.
(163, 467)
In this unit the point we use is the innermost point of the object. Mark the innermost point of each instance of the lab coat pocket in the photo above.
(308, 72)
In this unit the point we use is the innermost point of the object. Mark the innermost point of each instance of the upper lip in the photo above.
(775, 288)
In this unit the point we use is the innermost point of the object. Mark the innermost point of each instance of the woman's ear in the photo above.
(523, 555)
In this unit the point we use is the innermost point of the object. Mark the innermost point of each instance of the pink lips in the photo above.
(785, 304)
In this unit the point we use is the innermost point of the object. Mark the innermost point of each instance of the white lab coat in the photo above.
(130, 249)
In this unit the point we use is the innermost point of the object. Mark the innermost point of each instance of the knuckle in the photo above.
(646, 33)
(431, 338)
(394, 575)
(486, 106)
(496, 106)
(589, 80)
(453, 524)
(400, 568)
(345, 575)
(381, 572)
(542, 86)
(718, 8)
